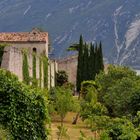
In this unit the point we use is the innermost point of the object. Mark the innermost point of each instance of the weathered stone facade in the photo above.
(13, 57)
(70, 66)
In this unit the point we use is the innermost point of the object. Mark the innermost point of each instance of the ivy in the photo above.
(2, 46)
(34, 81)
(23, 110)
(40, 72)
(25, 70)
(43, 62)
(45, 71)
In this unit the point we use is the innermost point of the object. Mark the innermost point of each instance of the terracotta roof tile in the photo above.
(34, 36)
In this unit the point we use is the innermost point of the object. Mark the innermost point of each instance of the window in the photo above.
(34, 50)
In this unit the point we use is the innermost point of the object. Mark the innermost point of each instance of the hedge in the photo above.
(22, 109)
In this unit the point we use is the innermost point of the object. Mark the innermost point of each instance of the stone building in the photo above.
(34, 41)
(69, 65)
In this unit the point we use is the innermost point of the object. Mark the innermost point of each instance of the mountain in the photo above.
(115, 22)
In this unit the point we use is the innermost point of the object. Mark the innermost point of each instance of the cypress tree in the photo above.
(80, 64)
(96, 60)
(85, 68)
(101, 63)
(92, 62)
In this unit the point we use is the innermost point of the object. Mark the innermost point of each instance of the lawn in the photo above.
(73, 130)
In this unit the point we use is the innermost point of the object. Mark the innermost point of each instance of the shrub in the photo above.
(22, 109)
(61, 78)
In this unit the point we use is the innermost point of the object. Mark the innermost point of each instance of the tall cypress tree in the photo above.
(101, 63)
(80, 64)
(96, 60)
(85, 68)
(92, 62)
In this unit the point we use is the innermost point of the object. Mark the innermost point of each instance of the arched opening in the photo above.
(34, 50)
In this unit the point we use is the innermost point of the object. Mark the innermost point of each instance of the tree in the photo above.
(90, 106)
(85, 67)
(120, 128)
(61, 78)
(80, 64)
(101, 63)
(117, 87)
(63, 102)
(90, 61)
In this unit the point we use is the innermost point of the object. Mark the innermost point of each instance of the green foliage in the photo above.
(34, 83)
(61, 78)
(122, 129)
(135, 101)
(2, 46)
(90, 61)
(90, 106)
(99, 64)
(105, 136)
(25, 68)
(62, 133)
(23, 110)
(80, 63)
(45, 70)
(62, 100)
(4, 134)
(85, 68)
(117, 89)
(114, 128)
(85, 87)
(40, 71)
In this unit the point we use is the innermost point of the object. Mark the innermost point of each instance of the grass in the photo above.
(73, 130)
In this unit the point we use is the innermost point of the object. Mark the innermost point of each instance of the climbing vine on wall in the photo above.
(25, 66)
(2, 46)
(40, 71)
(34, 81)
(34, 65)
(45, 71)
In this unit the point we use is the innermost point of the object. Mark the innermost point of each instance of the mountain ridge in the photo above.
(115, 23)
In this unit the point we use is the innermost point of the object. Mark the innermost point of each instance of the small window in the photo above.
(34, 50)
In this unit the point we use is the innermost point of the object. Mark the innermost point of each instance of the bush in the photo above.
(120, 129)
(22, 109)
(61, 78)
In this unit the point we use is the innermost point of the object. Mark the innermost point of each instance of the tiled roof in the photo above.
(35, 36)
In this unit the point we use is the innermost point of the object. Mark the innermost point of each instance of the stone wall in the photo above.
(70, 66)
(13, 59)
